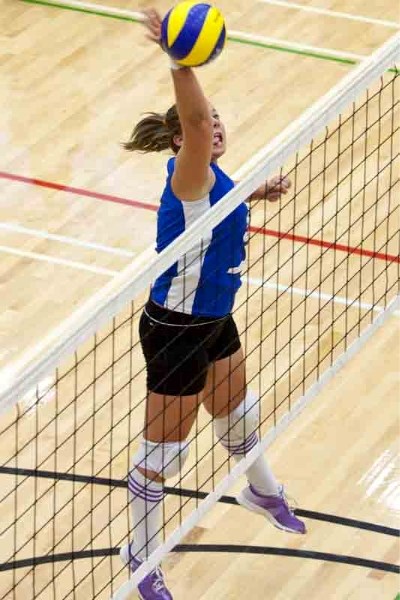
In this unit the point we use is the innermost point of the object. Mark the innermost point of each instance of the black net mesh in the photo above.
(321, 265)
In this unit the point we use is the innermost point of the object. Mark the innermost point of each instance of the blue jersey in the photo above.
(205, 280)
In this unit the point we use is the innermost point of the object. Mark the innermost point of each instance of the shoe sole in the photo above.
(243, 501)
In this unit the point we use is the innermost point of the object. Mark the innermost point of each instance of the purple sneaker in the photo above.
(152, 587)
(274, 508)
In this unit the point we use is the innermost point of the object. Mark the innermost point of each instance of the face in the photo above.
(219, 136)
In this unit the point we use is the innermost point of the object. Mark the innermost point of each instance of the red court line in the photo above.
(323, 244)
(154, 207)
(78, 191)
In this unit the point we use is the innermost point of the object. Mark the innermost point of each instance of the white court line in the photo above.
(251, 280)
(235, 34)
(58, 261)
(14, 227)
(332, 13)
(109, 10)
(317, 295)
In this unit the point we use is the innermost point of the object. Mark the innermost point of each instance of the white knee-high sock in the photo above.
(259, 475)
(146, 504)
(261, 478)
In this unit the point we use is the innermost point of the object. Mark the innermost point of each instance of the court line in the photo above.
(251, 280)
(16, 228)
(77, 191)
(195, 494)
(153, 207)
(241, 467)
(324, 244)
(233, 36)
(309, 294)
(210, 548)
(332, 13)
(58, 261)
(253, 39)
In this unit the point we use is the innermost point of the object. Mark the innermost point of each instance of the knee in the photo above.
(166, 459)
(241, 423)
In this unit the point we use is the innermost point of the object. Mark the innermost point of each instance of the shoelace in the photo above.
(158, 584)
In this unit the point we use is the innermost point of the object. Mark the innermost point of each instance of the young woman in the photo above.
(189, 339)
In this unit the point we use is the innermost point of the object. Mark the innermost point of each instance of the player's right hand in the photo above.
(152, 21)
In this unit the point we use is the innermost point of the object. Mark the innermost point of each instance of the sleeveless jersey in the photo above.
(205, 280)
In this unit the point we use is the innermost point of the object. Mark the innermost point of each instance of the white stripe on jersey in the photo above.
(239, 269)
(183, 288)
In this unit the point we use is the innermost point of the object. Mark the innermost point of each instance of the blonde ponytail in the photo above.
(155, 132)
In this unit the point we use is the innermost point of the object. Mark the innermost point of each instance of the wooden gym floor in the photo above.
(72, 86)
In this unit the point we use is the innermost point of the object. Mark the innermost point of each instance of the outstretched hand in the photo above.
(152, 21)
(275, 187)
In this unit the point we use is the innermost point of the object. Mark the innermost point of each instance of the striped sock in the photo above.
(259, 475)
(146, 503)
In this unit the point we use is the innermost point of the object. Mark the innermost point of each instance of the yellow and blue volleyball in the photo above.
(193, 33)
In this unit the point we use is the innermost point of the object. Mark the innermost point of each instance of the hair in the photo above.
(155, 132)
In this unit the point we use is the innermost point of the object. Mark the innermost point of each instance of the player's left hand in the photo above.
(275, 187)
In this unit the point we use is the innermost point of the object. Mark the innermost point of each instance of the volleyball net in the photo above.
(321, 274)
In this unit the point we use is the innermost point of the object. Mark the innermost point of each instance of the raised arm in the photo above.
(192, 178)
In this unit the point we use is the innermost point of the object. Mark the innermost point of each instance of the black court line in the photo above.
(186, 493)
(211, 548)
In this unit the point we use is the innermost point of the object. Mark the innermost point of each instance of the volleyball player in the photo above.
(189, 339)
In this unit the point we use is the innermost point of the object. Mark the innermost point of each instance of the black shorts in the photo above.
(179, 348)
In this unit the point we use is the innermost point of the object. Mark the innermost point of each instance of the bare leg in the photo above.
(226, 385)
(169, 419)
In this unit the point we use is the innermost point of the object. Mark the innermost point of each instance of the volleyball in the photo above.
(193, 33)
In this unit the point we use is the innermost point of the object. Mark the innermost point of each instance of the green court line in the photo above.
(309, 53)
(232, 38)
